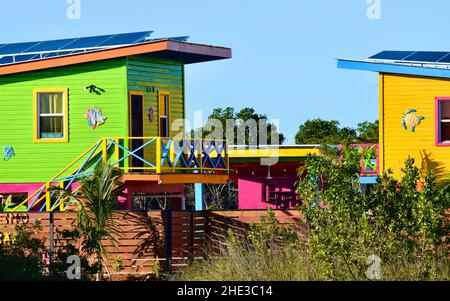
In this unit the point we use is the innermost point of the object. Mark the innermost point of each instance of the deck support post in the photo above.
(199, 196)
(51, 236)
(169, 237)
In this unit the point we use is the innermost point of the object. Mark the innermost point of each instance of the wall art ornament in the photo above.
(8, 153)
(94, 89)
(151, 114)
(411, 120)
(95, 117)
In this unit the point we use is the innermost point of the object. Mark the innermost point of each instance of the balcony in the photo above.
(153, 159)
(370, 162)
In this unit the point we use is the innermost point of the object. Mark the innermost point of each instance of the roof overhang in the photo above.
(187, 53)
(395, 68)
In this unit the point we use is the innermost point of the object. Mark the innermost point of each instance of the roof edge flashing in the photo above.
(395, 68)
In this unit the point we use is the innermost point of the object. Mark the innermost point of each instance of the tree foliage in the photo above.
(242, 119)
(319, 131)
(368, 131)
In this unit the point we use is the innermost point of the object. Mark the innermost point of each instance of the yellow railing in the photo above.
(167, 155)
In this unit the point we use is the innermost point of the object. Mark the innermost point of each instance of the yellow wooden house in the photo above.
(414, 108)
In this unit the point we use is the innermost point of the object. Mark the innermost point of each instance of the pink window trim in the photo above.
(438, 122)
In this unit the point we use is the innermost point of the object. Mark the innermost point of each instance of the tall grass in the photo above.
(291, 262)
(274, 252)
(243, 261)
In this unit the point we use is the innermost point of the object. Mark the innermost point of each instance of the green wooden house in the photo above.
(68, 104)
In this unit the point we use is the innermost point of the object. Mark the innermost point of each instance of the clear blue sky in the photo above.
(284, 50)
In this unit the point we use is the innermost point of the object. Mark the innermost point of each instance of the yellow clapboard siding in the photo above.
(398, 94)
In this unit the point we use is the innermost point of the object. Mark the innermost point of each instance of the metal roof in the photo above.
(422, 63)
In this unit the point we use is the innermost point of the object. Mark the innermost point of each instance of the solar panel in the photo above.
(392, 55)
(16, 48)
(22, 52)
(414, 56)
(49, 45)
(426, 56)
(26, 57)
(6, 60)
(445, 59)
(86, 42)
(132, 38)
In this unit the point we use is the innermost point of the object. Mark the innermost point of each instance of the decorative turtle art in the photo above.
(95, 117)
(411, 120)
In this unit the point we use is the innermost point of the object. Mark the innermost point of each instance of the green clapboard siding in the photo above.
(145, 73)
(39, 162)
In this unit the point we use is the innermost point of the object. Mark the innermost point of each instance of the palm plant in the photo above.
(95, 201)
(8, 206)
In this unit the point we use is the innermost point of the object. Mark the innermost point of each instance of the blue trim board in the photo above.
(368, 180)
(393, 68)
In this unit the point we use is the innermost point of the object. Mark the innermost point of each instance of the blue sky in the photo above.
(284, 51)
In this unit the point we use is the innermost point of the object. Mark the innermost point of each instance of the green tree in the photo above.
(96, 201)
(368, 132)
(319, 131)
(241, 117)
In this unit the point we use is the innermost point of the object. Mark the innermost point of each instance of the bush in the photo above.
(22, 258)
(26, 257)
(396, 221)
(395, 226)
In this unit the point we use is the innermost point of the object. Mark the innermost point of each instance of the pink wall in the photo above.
(124, 197)
(251, 195)
(29, 188)
(251, 190)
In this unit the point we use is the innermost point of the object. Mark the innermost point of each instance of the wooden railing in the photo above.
(370, 158)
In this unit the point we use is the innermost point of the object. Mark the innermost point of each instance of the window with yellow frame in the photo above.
(164, 113)
(51, 115)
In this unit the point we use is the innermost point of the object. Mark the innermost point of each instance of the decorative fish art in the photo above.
(95, 117)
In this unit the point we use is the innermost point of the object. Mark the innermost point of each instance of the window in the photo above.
(11, 200)
(443, 121)
(51, 121)
(164, 106)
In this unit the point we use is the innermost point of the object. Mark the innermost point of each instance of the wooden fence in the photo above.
(169, 238)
